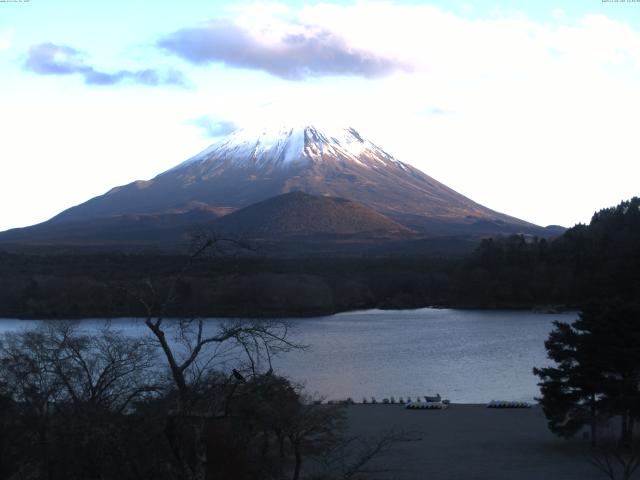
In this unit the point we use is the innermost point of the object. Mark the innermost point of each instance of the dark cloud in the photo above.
(316, 52)
(51, 59)
(214, 128)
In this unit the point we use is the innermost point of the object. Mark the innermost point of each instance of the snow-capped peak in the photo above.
(282, 146)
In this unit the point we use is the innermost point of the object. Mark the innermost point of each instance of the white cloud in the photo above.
(6, 38)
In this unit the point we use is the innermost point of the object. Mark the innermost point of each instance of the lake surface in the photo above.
(468, 356)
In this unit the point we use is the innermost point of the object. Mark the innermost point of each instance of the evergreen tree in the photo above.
(616, 328)
(598, 370)
(571, 393)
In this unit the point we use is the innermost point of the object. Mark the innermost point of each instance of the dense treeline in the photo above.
(594, 385)
(96, 286)
(595, 262)
(587, 262)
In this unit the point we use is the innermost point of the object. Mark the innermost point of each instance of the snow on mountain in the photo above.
(281, 147)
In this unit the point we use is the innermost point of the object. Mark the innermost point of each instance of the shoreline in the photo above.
(308, 315)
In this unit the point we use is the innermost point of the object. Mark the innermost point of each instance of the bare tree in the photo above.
(29, 377)
(614, 458)
(617, 462)
(355, 457)
(107, 370)
(68, 387)
(191, 348)
(313, 430)
(194, 350)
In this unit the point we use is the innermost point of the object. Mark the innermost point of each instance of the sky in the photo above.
(529, 108)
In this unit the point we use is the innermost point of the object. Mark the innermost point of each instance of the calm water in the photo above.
(467, 356)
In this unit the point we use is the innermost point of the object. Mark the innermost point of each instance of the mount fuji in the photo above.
(251, 166)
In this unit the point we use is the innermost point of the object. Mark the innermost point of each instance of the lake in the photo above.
(468, 356)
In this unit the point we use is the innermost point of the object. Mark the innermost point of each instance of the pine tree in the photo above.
(571, 393)
(597, 375)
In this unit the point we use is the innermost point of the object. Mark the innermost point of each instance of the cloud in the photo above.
(52, 59)
(291, 51)
(214, 128)
(5, 39)
(435, 111)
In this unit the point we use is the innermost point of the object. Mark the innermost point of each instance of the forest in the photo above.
(599, 260)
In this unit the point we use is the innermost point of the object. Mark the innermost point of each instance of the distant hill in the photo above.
(301, 214)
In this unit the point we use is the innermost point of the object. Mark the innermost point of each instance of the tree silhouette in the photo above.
(597, 375)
